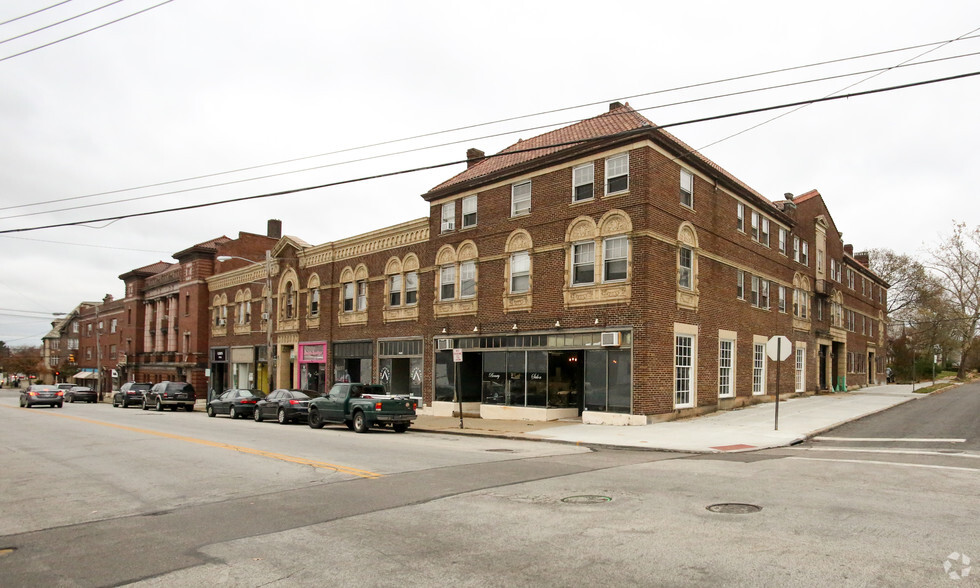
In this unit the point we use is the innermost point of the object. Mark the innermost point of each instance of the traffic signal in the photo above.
(71, 358)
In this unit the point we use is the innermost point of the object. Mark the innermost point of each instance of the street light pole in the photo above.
(268, 319)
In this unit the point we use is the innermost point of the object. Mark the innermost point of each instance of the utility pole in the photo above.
(268, 325)
(98, 353)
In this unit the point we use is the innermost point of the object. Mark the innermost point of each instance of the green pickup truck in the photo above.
(360, 407)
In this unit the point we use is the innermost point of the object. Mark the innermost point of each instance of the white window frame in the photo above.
(685, 272)
(583, 175)
(800, 371)
(520, 203)
(726, 368)
(684, 370)
(447, 279)
(755, 226)
(758, 368)
(782, 240)
(782, 299)
(348, 291)
(395, 297)
(796, 248)
(740, 284)
(754, 291)
(467, 279)
(616, 167)
(411, 287)
(805, 255)
(520, 267)
(740, 217)
(687, 188)
(362, 295)
(610, 245)
(469, 211)
(576, 263)
(764, 232)
(448, 217)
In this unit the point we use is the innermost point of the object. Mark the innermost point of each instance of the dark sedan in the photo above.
(81, 394)
(286, 406)
(42, 394)
(235, 402)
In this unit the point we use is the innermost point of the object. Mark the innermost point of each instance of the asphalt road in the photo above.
(96, 496)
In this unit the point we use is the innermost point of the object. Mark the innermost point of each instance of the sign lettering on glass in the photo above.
(314, 353)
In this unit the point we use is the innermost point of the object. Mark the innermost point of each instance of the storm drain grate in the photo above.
(586, 499)
(734, 508)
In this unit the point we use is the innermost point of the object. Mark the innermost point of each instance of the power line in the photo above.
(40, 10)
(86, 245)
(468, 127)
(85, 31)
(30, 311)
(60, 22)
(511, 152)
(468, 140)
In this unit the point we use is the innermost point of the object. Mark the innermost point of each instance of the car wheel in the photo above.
(124, 403)
(210, 411)
(281, 415)
(61, 404)
(360, 423)
(314, 420)
(159, 406)
(257, 415)
(232, 413)
(22, 403)
(71, 399)
(400, 427)
(145, 406)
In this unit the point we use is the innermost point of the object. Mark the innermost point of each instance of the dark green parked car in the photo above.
(360, 407)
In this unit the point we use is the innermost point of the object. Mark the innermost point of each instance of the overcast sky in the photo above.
(194, 88)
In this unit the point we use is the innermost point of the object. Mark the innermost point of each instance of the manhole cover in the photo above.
(500, 450)
(586, 499)
(7, 550)
(734, 508)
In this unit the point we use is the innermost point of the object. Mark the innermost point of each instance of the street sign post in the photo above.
(458, 359)
(778, 348)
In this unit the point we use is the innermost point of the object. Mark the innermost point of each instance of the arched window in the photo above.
(687, 267)
(313, 286)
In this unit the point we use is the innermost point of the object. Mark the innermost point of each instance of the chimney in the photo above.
(274, 228)
(614, 105)
(863, 258)
(473, 157)
(849, 249)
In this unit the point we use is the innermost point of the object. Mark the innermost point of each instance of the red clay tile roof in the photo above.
(618, 120)
(154, 268)
(806, 196)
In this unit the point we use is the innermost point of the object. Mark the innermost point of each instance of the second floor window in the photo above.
(583, 263)
(467, 279)
(395, 290)
(411, 288)
(520, 272)
(315, 302)
(614, 256)
(686, 267)
(447, 282)
(349, 297)
(362, 295)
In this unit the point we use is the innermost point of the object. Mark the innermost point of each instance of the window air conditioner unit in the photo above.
(444, 344)
(610, 339)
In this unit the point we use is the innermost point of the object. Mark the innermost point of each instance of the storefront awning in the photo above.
(86, 375)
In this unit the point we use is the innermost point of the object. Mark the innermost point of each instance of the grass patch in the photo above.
(937, 387)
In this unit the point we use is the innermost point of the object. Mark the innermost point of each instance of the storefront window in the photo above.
(608, 376)
(537, 378)
(494, 384)
(445, 378)
(516, 378)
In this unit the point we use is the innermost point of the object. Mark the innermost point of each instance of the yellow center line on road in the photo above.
(282, 457)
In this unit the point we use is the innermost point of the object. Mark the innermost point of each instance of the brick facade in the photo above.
(663, 297)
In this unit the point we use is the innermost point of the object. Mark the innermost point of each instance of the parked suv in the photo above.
(131, 393)
(172, 394)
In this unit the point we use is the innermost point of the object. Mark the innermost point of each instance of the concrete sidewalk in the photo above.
(745, 429)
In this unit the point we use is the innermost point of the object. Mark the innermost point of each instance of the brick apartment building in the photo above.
(158, 331)
(603, 269)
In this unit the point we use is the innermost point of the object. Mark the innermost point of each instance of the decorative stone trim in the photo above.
(517, 302)
(616, 293)
(401, 313)
(455, 308)
(352, 318)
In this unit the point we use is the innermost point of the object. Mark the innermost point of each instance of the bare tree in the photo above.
(909, 283)
(956, 261)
